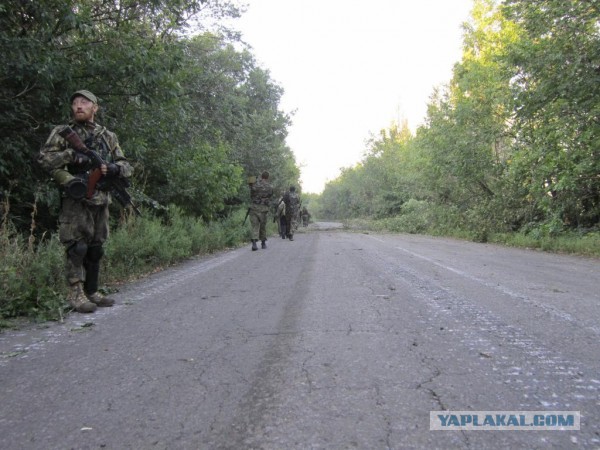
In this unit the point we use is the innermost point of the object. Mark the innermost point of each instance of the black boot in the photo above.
(254, 246)
(92, 270)
(91, 263)
(283, 229)
(263, 244)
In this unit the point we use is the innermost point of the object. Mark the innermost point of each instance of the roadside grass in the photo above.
(32, 279)
(434, 220)
(587, 244)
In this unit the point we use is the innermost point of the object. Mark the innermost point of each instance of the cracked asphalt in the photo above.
(336, 340)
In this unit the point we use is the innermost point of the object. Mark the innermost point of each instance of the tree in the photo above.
(557, 87)
(467, 137)
(184, 107)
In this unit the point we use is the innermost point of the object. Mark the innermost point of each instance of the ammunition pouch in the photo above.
(261, 201)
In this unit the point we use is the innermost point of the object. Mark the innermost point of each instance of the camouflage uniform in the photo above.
(281, 221)
(260, 195)
(292, 208)
(305, 216)
(83, 223)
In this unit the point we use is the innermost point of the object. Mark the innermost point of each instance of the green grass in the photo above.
(419, 217)
(568, 242)
(32, 279)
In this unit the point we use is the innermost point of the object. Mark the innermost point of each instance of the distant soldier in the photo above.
(280, 217)
(305, 216)
(260, 195)
(292, 208)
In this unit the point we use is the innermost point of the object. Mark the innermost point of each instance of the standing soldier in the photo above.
(305, 216)
(280, 217)
(292, 208)
(84, 212)
(260, 195)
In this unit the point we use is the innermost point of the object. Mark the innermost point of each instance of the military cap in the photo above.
(85, 93)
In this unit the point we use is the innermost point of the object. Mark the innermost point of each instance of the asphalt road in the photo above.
(333, 341)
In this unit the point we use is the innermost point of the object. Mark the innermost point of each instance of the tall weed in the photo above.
(32, 278)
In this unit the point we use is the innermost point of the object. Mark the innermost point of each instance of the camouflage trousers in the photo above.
(258, 219)
(82, 226)
(291, 223)
(282, 226)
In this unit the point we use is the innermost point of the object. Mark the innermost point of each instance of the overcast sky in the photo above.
(350, 68)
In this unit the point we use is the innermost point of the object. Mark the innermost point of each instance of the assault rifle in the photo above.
(246, 218)
(116, 185)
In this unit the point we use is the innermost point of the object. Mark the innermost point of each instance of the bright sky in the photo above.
(350, 68)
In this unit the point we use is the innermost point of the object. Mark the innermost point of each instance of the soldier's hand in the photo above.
(81, 159)
(80, 162)
(111, 170)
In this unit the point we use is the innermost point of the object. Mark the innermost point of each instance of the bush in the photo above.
(142, 244)
(417, 217)
(33, 279)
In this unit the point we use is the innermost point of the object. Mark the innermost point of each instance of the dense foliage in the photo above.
(511, 144)
(192, 109)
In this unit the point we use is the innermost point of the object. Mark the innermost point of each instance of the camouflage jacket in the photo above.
(261, 192)
(280, 208)
(56, 155)
(292, 203)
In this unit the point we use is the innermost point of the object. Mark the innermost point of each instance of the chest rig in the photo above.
(96, 140)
